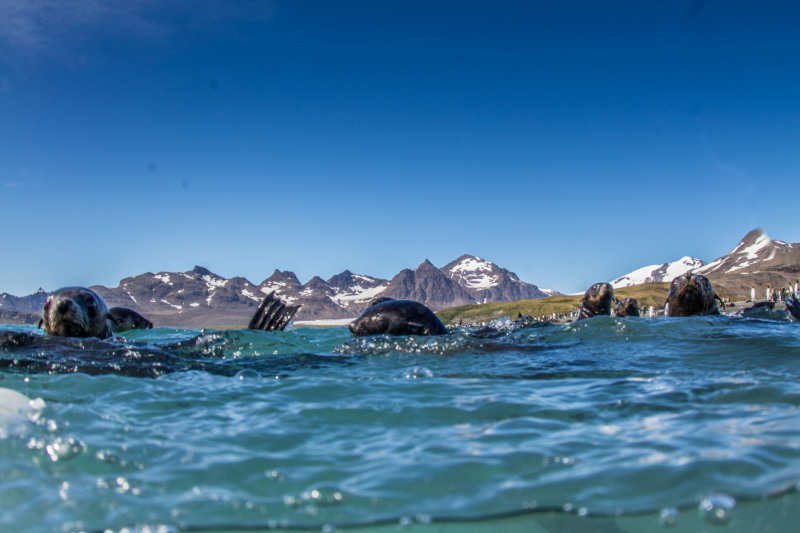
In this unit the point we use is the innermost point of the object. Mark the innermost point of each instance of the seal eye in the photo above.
(91, 305)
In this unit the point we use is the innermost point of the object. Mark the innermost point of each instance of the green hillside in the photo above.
(647, 294)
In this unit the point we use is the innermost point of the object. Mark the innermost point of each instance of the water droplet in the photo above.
(717, 508)
(247, 374)
(275, 475)
(63, 449)
(417, 372)
(668, 516)
(423, 518)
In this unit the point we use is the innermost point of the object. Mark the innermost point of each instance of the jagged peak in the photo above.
(757, 235)
(201, 271)
(425, 265)
(282, 276)
(755, 240)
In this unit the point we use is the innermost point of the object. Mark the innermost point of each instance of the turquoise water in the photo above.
(606, 425)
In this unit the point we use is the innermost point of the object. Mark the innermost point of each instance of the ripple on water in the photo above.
(314, 428)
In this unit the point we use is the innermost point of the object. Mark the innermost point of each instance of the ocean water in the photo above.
(609, 425)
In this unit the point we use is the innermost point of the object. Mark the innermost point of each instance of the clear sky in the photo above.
(570, 142)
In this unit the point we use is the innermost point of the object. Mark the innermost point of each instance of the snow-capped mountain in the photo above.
(486, 282)
(659, 273)
(198, 297)
(755, 252)
(428, 285)
(756, 262)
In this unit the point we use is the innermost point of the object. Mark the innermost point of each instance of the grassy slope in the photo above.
(654, 294)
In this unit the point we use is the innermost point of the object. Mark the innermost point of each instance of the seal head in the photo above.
(691, 295)
(596, 300)
(76, 312)
(627, 307)
(397, 317)
(126, 319)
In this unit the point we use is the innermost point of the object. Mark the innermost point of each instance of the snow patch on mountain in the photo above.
(474, 273)
(358, 294)
(658, 273)
(214, 281)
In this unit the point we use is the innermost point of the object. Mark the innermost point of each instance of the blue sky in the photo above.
(570, 142)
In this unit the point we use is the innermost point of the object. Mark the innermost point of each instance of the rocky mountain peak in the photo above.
(200, 271)
(201, 298)
(285, 276)
(486, 282)
(425, 266)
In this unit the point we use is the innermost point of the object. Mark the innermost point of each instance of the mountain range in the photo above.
(757, 261)
(200, 298)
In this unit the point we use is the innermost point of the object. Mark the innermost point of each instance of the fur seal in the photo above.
(397, 317)
(793, 306)
(272, 314)
(76, 312)
(627, 307)
(596, 301)
(691, 295)
(126, 319)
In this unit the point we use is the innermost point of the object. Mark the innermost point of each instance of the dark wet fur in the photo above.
(397, 317)
(793, 306)
(596, 301)
(272, 314)
(692, 295)
(627, 307)
(127, 319)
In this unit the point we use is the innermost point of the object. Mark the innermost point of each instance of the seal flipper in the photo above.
(793, 306)
(272, 314)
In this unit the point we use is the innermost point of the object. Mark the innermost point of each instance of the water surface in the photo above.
(604, 425)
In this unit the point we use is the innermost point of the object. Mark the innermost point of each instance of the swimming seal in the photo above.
(596, 301)
(397, 317)
(76, 312)
(691, 295)
(126, 319)
(627, 307)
